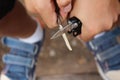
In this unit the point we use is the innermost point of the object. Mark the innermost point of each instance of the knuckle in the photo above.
(51, 25)
(64, 2)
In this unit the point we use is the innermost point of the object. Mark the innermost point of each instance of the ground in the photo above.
(56, 62)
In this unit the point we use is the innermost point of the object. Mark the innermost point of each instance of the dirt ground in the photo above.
(56, 62)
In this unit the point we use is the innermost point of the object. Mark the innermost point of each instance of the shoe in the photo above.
(20, 62)
(106, 49)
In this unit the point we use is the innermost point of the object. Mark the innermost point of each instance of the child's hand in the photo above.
(46, 9)
(96, 15)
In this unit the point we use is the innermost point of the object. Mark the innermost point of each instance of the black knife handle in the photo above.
(77, 26)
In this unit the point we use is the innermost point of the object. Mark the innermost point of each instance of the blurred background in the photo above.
(56, 62)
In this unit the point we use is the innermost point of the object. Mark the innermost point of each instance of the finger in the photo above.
(86, 35)
(65, 7)
(47, 12)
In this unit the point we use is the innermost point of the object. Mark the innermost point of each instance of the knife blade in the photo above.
(59, 22)
(61, 31)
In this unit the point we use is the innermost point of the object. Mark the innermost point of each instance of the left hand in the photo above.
(46, 10)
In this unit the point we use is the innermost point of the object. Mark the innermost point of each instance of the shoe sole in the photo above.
(101, 72)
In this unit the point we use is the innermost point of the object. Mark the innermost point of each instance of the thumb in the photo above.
(65, 7)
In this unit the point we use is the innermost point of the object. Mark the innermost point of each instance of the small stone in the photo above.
(52, 53)
(74, 43)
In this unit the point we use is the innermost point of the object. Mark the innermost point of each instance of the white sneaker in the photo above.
(106, 49)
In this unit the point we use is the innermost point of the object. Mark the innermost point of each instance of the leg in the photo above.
(17, 23)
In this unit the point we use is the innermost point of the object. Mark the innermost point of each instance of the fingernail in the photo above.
(67, 8)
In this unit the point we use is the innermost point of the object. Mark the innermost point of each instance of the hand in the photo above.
(96, 15)
(46, 10)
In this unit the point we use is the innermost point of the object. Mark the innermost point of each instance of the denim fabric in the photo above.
(106, 50)
(20, 61)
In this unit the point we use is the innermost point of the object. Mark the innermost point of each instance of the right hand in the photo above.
(96, 15)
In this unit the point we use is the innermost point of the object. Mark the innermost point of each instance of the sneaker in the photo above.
(106, 49)
(20, 62)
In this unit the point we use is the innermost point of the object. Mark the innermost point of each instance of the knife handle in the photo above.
(76, 26)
